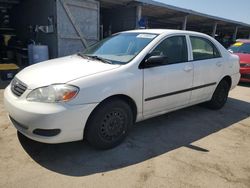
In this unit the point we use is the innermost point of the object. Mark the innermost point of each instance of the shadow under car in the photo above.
(146, 140)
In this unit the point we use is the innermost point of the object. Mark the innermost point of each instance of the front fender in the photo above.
(122, 81)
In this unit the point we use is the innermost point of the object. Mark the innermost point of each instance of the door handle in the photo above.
(188, 68)
(219, 64)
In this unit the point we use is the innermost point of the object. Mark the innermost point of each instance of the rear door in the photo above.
(208, 68)
(167, 86)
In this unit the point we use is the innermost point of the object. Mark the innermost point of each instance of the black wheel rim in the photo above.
(113, 126)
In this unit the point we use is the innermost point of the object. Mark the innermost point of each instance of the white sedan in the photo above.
(131, 76)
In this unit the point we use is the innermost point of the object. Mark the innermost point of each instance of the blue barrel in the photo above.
(38, 53)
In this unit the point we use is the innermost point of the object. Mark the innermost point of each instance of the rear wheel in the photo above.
(109, 124)
(220, 96)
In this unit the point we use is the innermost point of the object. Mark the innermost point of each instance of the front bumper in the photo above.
(245, 74)
(245, 78)
(30, 116)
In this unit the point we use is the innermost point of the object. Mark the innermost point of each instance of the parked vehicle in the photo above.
(242, 49)
(129, 77)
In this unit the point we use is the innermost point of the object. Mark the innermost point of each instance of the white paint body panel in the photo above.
(166, 79)
(61, 70)
(98, 81)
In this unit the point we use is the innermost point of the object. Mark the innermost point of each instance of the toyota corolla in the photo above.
(100, 93)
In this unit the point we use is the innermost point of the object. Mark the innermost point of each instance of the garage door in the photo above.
(77, 25)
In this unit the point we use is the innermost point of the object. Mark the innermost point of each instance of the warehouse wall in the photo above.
(31, 13)
(119, 19)
(77, 25)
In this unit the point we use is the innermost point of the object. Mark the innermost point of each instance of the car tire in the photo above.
(109, 124)
(220, 96)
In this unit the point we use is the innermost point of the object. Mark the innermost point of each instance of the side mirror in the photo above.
(154, 61)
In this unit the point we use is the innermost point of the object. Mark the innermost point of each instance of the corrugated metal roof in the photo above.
(191, 12)
(177, 9)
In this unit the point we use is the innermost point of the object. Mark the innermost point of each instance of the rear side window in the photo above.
(203, 49)
(175, 48)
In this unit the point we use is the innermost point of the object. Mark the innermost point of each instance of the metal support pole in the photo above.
(184, 24)
(138, 15)
(214, 30)
(235, 33)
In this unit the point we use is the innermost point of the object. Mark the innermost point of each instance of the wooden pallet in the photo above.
(8, 66)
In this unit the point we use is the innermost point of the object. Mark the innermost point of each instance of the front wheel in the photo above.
(109, 124)
(220, 96)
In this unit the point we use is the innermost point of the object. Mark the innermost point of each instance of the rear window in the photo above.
(240, 47)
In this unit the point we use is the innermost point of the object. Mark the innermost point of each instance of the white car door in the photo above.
(167, 86)
(208, 68)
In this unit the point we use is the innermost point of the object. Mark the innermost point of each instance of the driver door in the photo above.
(167, 86)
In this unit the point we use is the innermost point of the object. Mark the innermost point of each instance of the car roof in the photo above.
(243, 40)
(163, 31)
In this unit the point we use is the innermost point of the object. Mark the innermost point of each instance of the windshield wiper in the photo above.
(245, 52)
(83, 56)
(94, 57)
(100, 59)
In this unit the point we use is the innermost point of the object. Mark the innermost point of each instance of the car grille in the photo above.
(17, 87)
(247, 76)
(245, 65)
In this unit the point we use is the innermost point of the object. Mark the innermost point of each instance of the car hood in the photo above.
(244, 58)
(61, 70)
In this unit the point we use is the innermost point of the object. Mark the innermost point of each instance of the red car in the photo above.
(242, 49)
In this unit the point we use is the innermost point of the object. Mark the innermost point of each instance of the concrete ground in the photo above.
(193, 147)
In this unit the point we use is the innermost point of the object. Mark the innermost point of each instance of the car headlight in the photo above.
(53, 93)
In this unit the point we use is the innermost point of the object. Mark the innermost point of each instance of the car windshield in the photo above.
(120, 48)
(240, 47)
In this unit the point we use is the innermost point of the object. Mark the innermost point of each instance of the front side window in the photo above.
(203, 49)
(120, 48)
(174, 48)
